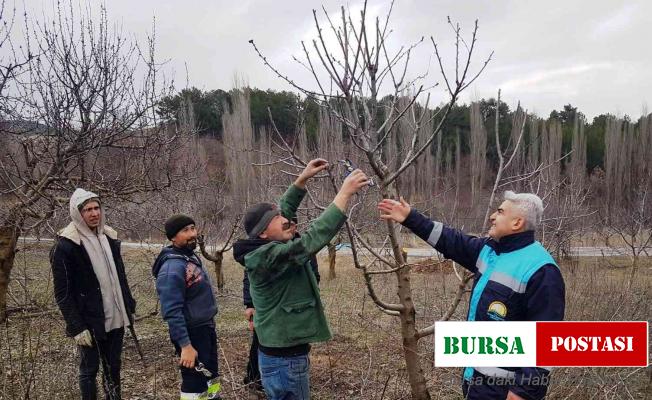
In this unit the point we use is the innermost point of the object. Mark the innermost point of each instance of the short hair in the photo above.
(530, 205)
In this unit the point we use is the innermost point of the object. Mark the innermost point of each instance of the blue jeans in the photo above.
(285, 378)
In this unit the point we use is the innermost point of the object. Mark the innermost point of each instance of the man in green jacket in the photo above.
(289, 312)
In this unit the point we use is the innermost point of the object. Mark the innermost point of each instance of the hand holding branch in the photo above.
(351, 185)
(313, 168)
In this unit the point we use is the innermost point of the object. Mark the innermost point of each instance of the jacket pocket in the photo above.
(90, 305)
(299, 307)
(499, 303)
(499, 291)
(301, 319)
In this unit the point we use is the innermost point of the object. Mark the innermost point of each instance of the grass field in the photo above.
(363, 361)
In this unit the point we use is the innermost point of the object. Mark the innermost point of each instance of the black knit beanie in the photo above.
(176, 223)
(258, 217)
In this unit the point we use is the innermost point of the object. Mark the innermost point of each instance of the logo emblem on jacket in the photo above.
(193, 275)
(497, 311)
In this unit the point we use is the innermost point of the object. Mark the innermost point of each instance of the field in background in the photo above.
(363, 361)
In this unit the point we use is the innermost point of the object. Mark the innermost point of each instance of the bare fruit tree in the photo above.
(80, 114)
(217, 256)
(352, 78)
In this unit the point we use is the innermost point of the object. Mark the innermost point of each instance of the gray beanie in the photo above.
(258, 217)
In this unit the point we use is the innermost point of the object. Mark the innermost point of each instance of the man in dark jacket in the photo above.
(188, 306)
(91, 290)
(289, 312)
(516, 279)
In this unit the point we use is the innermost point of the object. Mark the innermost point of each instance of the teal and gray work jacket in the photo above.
(516, 279)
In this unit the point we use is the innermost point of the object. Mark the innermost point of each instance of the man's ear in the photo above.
(263, 235)
(518, 224)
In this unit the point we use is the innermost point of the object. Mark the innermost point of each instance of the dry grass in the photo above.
(363, 361)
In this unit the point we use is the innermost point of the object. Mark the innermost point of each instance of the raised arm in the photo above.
(291, 199)
(454, 244)
(320, 233)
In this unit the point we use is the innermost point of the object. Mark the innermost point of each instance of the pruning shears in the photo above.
(350, 167)
(199, 367)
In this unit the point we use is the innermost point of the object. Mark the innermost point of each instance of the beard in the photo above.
(191, 244)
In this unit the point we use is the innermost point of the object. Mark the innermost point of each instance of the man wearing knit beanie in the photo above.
(260, 214)
(176, 223)
(188, 306)
(289, 314)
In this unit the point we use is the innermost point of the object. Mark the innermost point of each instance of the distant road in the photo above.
(597, 251)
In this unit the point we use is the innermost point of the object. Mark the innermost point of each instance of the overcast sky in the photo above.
(594, 54)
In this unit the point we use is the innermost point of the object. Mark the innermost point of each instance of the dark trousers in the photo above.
(107, 352)
(253, 373)
(483, 391)
(204, 340)
(481, 387)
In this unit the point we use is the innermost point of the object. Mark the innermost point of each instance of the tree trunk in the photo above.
(216, 258)
(8, 239)
(331, 261)
(410, 341)
(219, 272)
(408, 323)
(632, 274)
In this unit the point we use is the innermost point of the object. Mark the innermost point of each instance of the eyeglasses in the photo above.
(287, 225)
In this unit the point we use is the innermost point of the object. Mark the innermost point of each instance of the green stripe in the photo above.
(214, 387)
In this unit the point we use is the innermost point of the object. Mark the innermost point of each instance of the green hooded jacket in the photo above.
(284, 290)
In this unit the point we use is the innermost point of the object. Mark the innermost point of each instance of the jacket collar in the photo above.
(174, 252)
(183, 250)
(70, 232)
(245, 246)
(513, 242)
